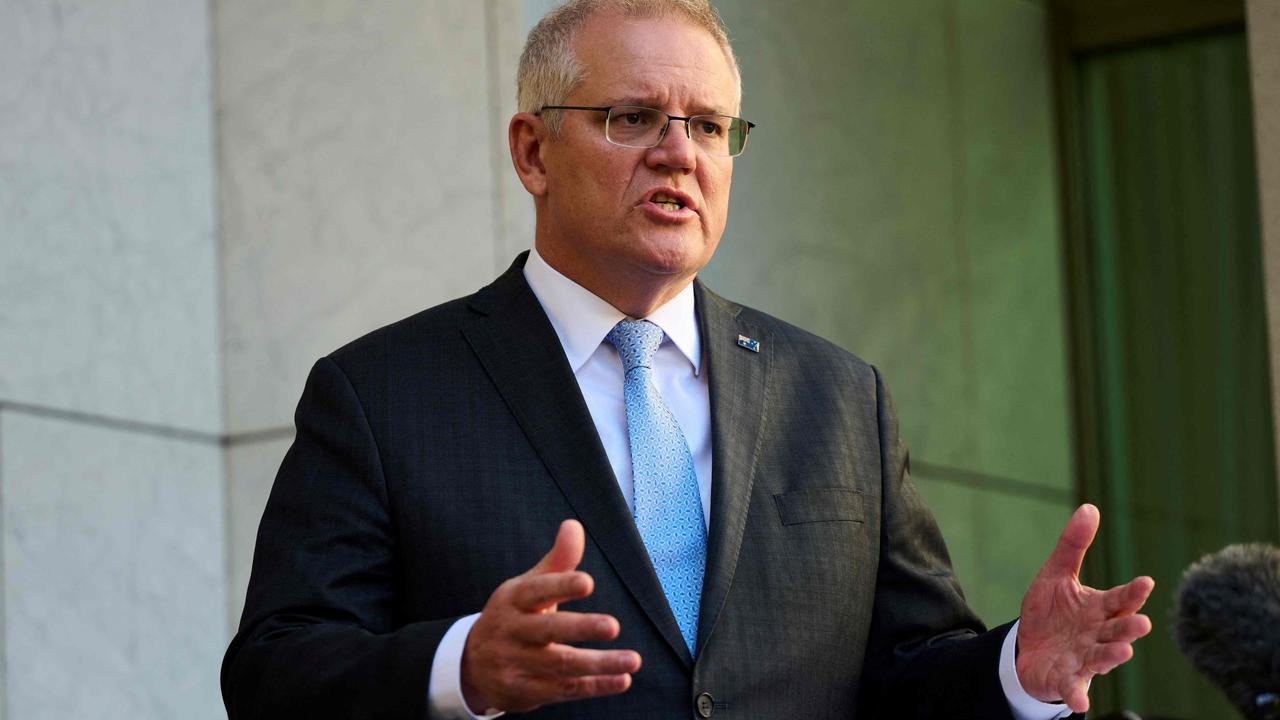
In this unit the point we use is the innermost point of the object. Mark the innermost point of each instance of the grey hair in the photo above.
(549, 69)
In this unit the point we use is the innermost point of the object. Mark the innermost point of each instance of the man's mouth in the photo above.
(666, 202)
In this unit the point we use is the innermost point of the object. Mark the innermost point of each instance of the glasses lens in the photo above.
(711, 132)
(738, 130)
(722, 135)
(635, 126)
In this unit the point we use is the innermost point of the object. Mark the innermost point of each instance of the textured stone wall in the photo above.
(197, 200)
(363, 176)
(111, 527)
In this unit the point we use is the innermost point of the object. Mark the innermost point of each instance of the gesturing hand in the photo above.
(1069, 632)
(516, 658)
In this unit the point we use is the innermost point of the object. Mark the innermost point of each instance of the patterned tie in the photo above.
(668, 507)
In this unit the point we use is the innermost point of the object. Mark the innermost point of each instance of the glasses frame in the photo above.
(661, 135)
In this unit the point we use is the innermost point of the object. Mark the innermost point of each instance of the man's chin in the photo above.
(669, 253)
(669, 262)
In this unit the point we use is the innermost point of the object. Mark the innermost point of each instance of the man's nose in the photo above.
(675, 149)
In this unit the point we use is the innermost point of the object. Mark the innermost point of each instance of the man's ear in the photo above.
(526, 135)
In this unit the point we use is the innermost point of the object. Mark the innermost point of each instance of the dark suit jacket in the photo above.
(435, 458)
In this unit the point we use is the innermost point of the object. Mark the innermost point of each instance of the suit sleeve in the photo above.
(320, 637)
(928, 655)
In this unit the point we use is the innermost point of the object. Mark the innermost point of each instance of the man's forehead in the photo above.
(655, 62)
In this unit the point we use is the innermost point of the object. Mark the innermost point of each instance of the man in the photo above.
(733, 521)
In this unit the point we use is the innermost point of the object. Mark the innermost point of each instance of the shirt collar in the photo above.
(582, 320)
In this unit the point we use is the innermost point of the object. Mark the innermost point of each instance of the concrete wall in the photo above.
(110, 399)
(196, 201)
(363, 176)
(899, 198)
(1264, 57)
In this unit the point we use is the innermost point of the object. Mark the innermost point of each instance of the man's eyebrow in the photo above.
(651, 102)
(633, 101)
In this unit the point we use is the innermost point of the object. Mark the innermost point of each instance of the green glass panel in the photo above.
(1179, 329)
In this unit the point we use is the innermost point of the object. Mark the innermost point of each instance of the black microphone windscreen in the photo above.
(1227, 623)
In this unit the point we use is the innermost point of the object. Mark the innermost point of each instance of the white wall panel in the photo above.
(108, 276)
(356, 182)
(114, 572)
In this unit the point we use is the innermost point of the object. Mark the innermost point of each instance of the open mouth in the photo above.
(666, 202)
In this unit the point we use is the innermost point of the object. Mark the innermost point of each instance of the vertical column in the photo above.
(110, 402)
(513, 207)
(362, 178)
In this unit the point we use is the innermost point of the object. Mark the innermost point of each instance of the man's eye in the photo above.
(710, 129)
(633, 118)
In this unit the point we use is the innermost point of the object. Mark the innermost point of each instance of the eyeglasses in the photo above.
(642, 127)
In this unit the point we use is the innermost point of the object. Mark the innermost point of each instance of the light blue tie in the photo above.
(668, 507)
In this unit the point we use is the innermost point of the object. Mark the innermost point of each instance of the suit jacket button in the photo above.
(705, 705)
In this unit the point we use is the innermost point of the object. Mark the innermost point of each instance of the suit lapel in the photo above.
(518, 348)
(738, 381)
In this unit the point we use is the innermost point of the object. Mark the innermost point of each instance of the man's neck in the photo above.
(636, 293)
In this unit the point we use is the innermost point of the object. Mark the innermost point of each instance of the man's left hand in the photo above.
(1070, 632)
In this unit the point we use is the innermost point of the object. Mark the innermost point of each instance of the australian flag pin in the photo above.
(748, 343)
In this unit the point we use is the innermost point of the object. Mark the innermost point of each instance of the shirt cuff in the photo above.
(1024, 706)
(444, 699)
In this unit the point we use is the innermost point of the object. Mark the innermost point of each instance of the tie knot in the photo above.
(637, 342)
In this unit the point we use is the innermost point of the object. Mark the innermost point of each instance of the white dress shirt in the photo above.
(581, 321)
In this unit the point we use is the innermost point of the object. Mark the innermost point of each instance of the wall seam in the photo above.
(994, 483)
(220, 294)
(496, 170)
(166, 432)
(219, 290)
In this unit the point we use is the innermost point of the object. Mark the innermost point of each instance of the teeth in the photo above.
(666, 201)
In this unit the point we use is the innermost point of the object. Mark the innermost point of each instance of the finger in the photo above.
(1128, 598)
(565, 627)
(530, 692)
(566, 553)
(566, 661)
(534, 593)
(1124, 629)
(596, 686)
(1102, 659)
(1076, 695)
(1076, 537)
(562, 689)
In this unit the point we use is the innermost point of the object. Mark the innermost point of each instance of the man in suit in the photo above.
(733, 529)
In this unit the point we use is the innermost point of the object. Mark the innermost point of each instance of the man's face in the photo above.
(601, 221)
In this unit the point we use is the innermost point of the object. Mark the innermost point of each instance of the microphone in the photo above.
(1227, 623)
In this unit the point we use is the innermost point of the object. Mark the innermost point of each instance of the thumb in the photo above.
(567, 551)
(1077, 536)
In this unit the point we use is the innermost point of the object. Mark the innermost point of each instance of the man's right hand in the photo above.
(517, 657)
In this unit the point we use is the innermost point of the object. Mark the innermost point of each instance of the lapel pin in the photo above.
(748, 343)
